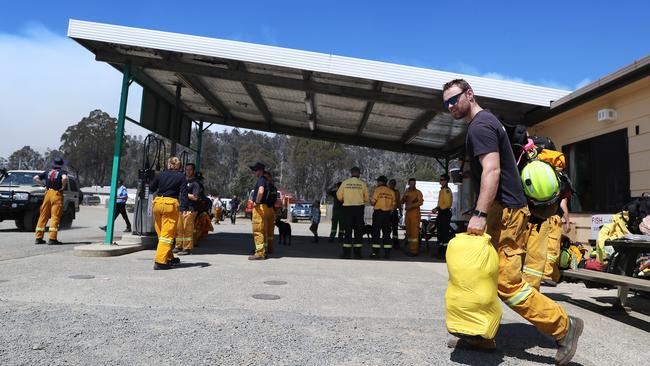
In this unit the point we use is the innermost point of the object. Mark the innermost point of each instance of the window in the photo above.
(600, 172)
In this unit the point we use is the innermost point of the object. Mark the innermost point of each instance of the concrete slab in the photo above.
(127, 244)
(303, 306)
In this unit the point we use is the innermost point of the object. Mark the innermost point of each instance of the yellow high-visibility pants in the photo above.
(185, 231)
(52, 207)
(165, 214)
(551, 270)
(269, 225)
(536, 244)
(507, 227)
(217, 212)
(413, 230)
(259, 229)
(202, 226)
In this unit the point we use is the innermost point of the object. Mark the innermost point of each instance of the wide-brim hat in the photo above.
(57, 163)
(257, 166)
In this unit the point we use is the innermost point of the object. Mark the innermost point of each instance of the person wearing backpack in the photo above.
(558, 223)
(502, 212)
(54, 180)
(269, 223)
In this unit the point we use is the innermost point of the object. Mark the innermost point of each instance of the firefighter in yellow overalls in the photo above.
(217, 210)
(412, 200)
(185, 234)
(353, 192)
(443, 216)
(269, 223)
(170, 186)
(557, 225)
(260, 208)
(55, 180)
(501, 211)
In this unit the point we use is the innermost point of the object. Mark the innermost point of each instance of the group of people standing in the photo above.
(181, 212)
(350, 198)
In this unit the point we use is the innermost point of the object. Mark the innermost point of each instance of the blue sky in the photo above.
(562, 44)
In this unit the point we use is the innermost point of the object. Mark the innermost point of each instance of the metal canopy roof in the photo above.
(308, 94)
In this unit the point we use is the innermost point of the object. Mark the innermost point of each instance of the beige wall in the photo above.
(632, 104)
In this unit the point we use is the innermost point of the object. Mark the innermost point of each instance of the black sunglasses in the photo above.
(453, 100)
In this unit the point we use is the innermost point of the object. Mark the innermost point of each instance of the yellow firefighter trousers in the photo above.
(202, 226)
(165, 214)
(185, 231)
(553, 251)
(217, 212)
(52, 206)
(413, 230)
(269, 225)
(259, 229)
(507, 227)
(535, 259)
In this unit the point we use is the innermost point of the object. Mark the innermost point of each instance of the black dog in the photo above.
(285, 231)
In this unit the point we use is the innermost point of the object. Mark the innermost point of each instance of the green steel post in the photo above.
(117, 151)
(199, 136)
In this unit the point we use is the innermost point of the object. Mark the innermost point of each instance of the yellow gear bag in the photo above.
(472, 302)
(555, 158)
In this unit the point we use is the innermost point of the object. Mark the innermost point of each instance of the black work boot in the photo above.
(53, 242)
(386, 253)
(375, 253)
(396, 243)
(39, 241)
(128, 229)
(157, 266)
(346, 253)
(568, 345)
(357, 253)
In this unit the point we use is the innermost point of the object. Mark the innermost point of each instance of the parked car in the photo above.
(21, 199)
(91, 200)
(301, 211)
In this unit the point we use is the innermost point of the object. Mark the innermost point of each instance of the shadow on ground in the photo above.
(513, 340)
(636, 304)
(301, 246)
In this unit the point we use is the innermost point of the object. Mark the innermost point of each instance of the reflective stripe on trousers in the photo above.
(52, 207)
(506, 226)
(165, 214)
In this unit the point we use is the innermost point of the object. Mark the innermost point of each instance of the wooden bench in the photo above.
(624, 283)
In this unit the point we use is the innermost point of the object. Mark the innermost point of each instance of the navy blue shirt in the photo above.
(261, 182)
(193, 187)
(53, 178)
(171, 184)
(486, 134)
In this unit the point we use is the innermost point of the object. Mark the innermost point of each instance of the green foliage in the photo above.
(304, 167)
(88, 147)
(26, 158)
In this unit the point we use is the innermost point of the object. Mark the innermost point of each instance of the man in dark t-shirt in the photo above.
(502, 213)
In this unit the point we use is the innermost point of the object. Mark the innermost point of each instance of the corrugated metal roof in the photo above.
(281, 90)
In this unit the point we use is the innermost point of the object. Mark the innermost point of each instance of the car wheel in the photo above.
(67, 217)
(30, 218)
(20, 224)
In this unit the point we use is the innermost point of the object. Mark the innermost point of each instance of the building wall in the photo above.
(632, 104)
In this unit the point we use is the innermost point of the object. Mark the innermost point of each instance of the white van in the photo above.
(430, 191)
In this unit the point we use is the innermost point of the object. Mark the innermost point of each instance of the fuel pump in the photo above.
(151, 163)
